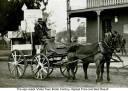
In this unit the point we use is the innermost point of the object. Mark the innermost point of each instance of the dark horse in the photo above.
(98, 53)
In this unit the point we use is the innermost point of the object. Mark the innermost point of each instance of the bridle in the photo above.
(108, 47)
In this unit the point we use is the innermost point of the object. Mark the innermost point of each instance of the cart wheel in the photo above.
(50, 70)
(17, 64)
(63, 70)
(40, 66)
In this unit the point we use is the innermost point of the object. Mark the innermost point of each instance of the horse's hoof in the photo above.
(86, 79)
(108, 80)
(67, 80)
(101, 80)
(72, 80)
(98, 83)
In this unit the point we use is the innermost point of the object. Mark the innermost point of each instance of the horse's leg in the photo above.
(85, 67)
(70, 57)
(68, 73)
(73, 71)
(98, 69)
(122, 50)
(70, 66)
(108, 65)
(102, 71)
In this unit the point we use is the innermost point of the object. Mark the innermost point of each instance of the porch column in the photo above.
(98, 23)
(69, 29)
(68, 22)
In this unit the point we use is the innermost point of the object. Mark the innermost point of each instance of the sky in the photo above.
(59, 13)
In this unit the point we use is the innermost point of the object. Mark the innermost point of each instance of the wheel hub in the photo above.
(15, 63)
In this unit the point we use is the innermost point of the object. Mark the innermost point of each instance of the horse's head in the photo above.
(112, 43)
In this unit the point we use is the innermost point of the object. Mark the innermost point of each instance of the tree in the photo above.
(3, 15)
(11, 13)
(80, 32)
(63, 35)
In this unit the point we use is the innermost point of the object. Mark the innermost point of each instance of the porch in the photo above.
(88, 4)
(102, 3)
(96, 12)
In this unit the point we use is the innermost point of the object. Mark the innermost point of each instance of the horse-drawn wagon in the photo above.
(42, 63)
(24, 52)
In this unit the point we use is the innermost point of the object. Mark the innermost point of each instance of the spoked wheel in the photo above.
(40, 66)
(63, 70)
(52, 61)
(17, 64)
(51, 68)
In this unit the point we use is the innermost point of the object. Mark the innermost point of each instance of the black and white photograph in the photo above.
(63, 45)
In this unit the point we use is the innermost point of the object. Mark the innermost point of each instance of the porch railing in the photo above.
(100, 3)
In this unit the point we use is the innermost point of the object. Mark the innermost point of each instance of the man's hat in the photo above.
(40, 19)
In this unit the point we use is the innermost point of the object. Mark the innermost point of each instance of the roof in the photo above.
(75, 13)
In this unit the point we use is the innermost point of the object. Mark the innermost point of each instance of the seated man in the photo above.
(41, 35)
(41, 29)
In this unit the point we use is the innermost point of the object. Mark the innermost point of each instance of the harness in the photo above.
(113, 52)
(105, 49)
(101, 50)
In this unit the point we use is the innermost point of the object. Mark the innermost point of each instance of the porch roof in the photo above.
(79, 12)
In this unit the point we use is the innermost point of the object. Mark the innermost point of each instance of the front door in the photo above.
(106, 27)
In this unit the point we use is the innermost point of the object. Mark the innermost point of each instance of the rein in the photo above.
(106, 43)
(88, 55)
(82, 58)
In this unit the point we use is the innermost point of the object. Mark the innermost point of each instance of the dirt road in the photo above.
(56, 79)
